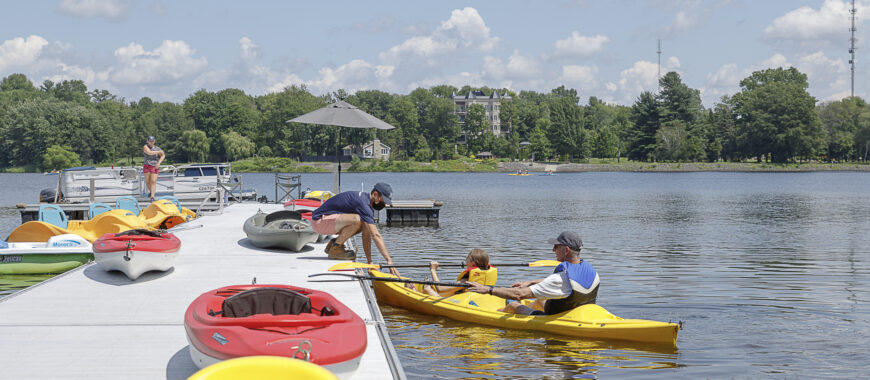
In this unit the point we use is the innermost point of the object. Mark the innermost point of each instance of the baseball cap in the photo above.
(150, 138)
(568, 238)
(386, 192)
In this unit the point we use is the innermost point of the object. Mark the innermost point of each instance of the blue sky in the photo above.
(168, 49)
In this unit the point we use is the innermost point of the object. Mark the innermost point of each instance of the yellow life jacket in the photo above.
(480, 276)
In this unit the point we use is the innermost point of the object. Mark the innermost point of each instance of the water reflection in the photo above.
(453, 349)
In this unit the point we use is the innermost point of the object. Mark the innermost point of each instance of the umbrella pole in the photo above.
(337, 180)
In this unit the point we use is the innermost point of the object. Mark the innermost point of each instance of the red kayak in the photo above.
(136, 251)
(302, 204)
(277, 320)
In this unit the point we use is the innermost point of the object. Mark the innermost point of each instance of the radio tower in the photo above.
(853, 11)
(659, 51)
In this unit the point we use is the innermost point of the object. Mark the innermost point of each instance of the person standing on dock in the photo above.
(573, 283)
(350, 213)
(153, 157)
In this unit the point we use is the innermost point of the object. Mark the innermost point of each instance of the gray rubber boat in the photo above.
(280, 229)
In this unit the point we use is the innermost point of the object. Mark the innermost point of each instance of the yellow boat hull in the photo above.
(587, 321)
(159, 214)
(263, 368)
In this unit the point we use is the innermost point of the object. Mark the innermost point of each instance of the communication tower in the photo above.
(852, 47)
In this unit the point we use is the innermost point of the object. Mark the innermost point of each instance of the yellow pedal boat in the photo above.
(159, 214)
(587, 321)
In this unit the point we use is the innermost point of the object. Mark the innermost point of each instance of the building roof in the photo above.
(480, 95)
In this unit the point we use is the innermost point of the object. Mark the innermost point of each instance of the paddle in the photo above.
(353, 265)
(387, 279)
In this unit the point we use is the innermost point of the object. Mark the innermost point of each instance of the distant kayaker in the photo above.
(477, 270)
(153, 157)
(573, 283)
(350, 213)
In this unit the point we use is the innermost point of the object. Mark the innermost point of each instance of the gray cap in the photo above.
(386, 192)
(568, 238)
(150, 138)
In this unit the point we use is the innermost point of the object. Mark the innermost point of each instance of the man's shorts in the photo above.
(149, 169)
(326, 224)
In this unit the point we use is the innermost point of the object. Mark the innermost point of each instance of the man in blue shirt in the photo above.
(573, 283)
(350, 213)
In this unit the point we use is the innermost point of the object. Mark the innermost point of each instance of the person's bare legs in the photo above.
(346, 226)
(151, 183)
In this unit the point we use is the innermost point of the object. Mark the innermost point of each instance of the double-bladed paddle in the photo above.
(387, 279)
(352, 265)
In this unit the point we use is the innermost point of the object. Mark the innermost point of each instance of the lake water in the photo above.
(769, 272)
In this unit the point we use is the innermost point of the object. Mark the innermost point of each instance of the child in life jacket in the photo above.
(477, 270)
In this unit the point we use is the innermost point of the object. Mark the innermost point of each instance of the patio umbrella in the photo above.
(341, 114)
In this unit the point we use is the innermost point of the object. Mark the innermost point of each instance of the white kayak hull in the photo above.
(134, 263)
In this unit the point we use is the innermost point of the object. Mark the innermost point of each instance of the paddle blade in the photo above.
(544, 263)
(351, 266)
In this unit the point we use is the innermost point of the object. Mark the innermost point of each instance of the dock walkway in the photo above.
(93, 324)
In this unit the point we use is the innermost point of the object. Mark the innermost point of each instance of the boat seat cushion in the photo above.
(275, 301)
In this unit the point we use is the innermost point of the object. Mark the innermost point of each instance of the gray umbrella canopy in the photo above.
(342, 114)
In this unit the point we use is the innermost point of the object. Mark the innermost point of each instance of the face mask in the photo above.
(379, 206)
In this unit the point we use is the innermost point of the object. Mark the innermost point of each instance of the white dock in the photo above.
(92, 324)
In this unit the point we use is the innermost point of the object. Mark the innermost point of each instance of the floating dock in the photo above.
(93, 324)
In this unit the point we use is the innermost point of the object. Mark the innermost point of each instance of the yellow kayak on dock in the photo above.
(263, 368)
(159, 214)
(587, 321)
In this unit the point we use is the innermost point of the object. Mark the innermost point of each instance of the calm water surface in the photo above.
(770, 272)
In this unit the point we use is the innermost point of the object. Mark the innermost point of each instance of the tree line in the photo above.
(772, 118)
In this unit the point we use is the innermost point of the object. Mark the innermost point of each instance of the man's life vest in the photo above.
(584, 287)
(480, 276)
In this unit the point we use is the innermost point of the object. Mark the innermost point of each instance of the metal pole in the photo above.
(852, 48)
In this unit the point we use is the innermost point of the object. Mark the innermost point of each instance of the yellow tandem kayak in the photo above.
(587, 321)
(159, 214)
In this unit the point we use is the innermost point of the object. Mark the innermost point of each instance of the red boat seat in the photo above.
(275, 301)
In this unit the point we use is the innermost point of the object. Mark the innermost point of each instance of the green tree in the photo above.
(646, 117)
(566, 122)
(840, 120)
(58, 157)
(606, 143)
(194, 145)
(237, 146)
(476, 128)
(403, 115)
(422, 152)
(776, 116)
(672, 142)
(540, 145)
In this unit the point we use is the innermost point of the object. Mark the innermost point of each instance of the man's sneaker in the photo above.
(329, 246)
(342, 255)
(336, 250)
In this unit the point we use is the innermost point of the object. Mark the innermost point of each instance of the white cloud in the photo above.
(518, 67)
(683, 21)
(806, 24)
(109, 9)
(464, 29)
(250, 50)
(19, 52)
(725, 76)
(578, 46)
(776, 60)
(353, 76)
(582, 77)
(640, 77)
(168, 63)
